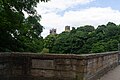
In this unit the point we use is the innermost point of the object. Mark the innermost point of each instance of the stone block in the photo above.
(43, 64)
(64, 67)
(42, 73)
(65, 74)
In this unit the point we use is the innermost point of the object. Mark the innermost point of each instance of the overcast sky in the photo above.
(59, 13)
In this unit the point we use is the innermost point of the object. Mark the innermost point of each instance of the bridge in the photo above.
(35, 66)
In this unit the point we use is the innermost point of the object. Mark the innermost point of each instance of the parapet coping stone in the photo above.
(55, 56)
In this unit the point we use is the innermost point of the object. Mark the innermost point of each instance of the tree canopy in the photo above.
(18, 33)
(87, 39)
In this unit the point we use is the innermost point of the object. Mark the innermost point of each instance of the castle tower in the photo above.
(53, 31)
(67, 28)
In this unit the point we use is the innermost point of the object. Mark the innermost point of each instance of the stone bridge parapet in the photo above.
(35, 66)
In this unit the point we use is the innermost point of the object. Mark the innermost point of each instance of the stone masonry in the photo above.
(34, 66)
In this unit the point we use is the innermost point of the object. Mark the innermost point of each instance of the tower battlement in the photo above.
(67, 28)
(53, 31)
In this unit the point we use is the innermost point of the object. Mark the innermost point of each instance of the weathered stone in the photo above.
(42, 73)
(17, 66)
(42, 64)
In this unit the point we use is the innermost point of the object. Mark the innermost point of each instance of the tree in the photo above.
(61, 44)
(17, 33)
(112, 45)
(98, 47)
(49, 42)
(86, 39)
(73, 41)
(113, 29)
(86, 28)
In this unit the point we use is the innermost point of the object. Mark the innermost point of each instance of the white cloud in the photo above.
(57, 5)
(91, 16)
(51, 20)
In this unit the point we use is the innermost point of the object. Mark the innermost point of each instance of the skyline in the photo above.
(75, 13)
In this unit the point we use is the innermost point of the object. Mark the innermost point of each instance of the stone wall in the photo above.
(99, 64)
(31, 66)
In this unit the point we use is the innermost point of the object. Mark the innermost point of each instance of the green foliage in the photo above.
(98, 47)
(61, 45)
(49, 42)
(45, 50)
(112, 45)
(18, 33)
(86, 39)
